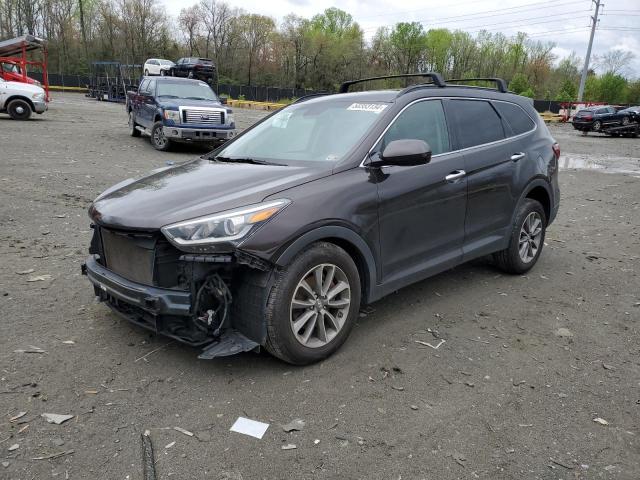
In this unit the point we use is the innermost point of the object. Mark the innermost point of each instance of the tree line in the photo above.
(317, 53)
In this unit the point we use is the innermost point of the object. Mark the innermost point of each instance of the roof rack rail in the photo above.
(436, 78)
(309, 96)
(501, 85)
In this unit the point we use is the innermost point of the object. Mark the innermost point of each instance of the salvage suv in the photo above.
(279, 236)
(178, 110)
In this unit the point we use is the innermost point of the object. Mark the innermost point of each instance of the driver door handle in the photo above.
(455, 176)
(517, 156)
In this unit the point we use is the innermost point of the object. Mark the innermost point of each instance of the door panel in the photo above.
(421, 214)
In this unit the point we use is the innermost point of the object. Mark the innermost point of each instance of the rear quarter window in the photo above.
(475, 121)
(515, 117)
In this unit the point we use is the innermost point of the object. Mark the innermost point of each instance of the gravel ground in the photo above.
(528, 364)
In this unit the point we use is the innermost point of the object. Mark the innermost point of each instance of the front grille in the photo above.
(130, 255)
(194, 116)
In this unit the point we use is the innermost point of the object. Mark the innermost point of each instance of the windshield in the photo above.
(166, 62)
(323, 131)
(10, 67)
(191, 90)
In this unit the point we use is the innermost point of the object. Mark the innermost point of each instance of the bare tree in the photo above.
(190, 19)
(614, 61)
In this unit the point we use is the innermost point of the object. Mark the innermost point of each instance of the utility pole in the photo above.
(585, 69)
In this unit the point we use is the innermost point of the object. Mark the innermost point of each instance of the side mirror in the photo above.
(407, 152)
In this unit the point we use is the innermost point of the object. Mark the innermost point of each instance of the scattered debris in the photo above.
(398, 388)
(563, 332)
(144, 357)
(525, 425)
(56, 418)
(13, 447)
(54, 455)
(203, 436)
(608, 367)
(601, 421)
(289, 446)
(427, 344)
(249, 427)
(182, 430)
(316, 441)
(148, 460)
(17, 416)
(563, 465)
(510, 450)
(470, 384)
(413, 407)
(68, 342)
(57, 441)
(39, 278)
(294, 425)
(25, 272)
(518, 383)
(459, 458)
(5, 464)
(169, 445)
(30, 349)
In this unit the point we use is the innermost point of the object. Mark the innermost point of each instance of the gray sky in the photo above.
(564, 22)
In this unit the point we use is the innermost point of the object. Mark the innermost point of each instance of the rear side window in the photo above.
(476, 122)
(602, 111)
(515, 117)
(421, 121)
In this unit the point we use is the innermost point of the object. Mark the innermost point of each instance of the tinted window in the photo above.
(421, 121)
(476, 122)
(151, 88)
(602, 111)
(143, 86)
(515, 117)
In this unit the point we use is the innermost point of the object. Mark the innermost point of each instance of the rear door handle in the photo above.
(455, 175)
(517, 156)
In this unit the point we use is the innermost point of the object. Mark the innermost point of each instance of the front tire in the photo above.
(625, 121)
(526, 239)
(597, 125)
(158, 139)
(313, 305)
(146, 73)
(132, 124)
(19, 109)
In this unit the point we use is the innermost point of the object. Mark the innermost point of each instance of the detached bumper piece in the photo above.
(197, 134)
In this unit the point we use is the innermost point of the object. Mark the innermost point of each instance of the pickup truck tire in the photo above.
(526, 239)
(19, 109)
(286, 311)
(132, 123)
(158, 140)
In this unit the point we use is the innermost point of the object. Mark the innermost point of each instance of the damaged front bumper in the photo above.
(164, 311)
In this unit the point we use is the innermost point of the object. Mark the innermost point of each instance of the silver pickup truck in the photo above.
(21, 100)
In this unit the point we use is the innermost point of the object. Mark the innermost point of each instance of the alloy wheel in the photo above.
(158, 137)
(320, 305)
(530, 237)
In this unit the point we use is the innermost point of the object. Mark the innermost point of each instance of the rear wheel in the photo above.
(526, 240)
(163, 73)
(158, 139)
(146, 72)
(313, 305)
(19, 109)
(625, 121)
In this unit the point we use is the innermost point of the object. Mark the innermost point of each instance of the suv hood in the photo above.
(174, 103)
(193, 189)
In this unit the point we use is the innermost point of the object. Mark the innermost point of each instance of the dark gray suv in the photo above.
(278, 237)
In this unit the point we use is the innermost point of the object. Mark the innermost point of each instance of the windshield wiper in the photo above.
(197, 98)
(253, 161)
(168, 96)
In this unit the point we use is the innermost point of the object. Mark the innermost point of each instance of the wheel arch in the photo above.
(19, 97)
(346, 239)
(540, 192)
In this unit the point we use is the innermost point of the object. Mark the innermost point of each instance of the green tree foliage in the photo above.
(318, 52)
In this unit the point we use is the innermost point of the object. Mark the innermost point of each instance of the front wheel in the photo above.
(313, 305)
(625, 121)
(19, 109)
(158, 139)
(132, 124)
(146, 73)
(597, 125)
(526, 240)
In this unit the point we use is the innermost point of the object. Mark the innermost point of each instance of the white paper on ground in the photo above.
(249, 427)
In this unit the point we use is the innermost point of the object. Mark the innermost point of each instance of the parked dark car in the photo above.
(178, 110)
(194, 67)
(276, 238)
(599, 117)
(632, 112)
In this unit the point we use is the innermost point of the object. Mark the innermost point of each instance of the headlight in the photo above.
(226, 226)
(38, 96)
(172, 115)
(230, 118)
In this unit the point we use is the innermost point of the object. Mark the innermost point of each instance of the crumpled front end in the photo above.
(191, 298)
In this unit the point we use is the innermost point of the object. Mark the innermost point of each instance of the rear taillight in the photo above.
(556, 150)
(588, 117)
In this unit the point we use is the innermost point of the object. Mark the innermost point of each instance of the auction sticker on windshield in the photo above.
(367, 107)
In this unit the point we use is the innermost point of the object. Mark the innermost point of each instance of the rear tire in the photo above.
(526, 240)
(330, 306)
(158, 140)
(19, 109)
(625, 121)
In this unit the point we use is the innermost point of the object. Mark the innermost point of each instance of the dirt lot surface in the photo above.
(529, 363)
